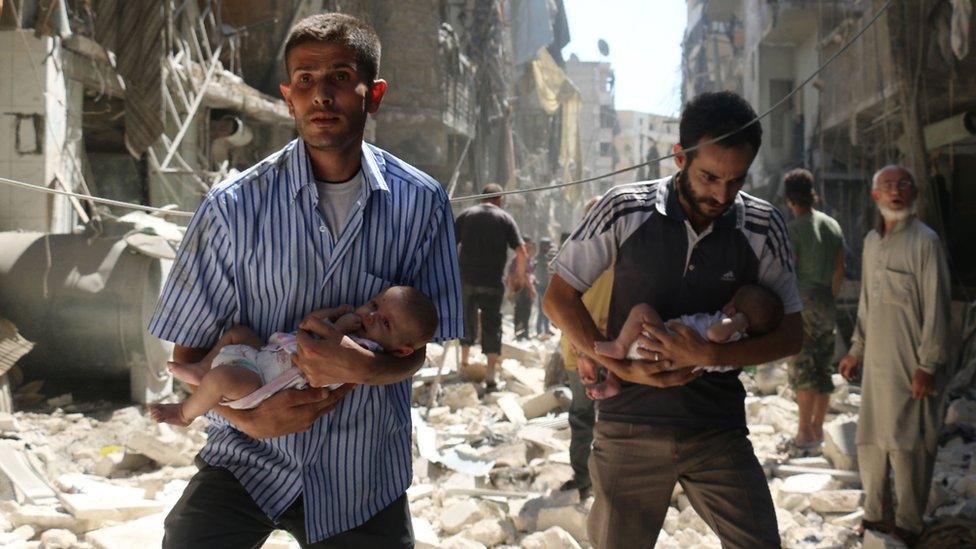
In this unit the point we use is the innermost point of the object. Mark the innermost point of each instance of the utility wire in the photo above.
(807, 80)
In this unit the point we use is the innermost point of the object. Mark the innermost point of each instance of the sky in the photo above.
(645, 48)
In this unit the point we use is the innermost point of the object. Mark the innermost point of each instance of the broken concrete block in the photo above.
(551, 538)
(849, 520)
(794, 503)
(688, 518)
(512, 410)
(839, 446)
(419, 491)
(58, 539)
(97, 507)
(571, 518)
(877, 540)
(114, 463)
(144, 532)
(60, 400)
(457, 516)
(461, 542)
(164, 446)
(513, 454)
(8, 422)
(961, 412)
(460, 395)
(521, 351)
(807, 483)
(540, 405)
(770, 377)
(489, 532)
(45, 517)
(424, 534)
(836, 501)
(672, 521)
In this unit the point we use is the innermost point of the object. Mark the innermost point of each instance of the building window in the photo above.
(778, 89)
(604, 149)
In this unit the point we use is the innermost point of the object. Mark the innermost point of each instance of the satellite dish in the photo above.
(604, 48)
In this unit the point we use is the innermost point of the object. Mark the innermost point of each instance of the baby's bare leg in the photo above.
(193, 372)
(639, 315)
(226, 381)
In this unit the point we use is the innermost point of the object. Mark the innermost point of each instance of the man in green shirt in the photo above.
(819, 247)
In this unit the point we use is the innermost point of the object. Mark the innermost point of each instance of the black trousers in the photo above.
(488, 301)
(216, 512)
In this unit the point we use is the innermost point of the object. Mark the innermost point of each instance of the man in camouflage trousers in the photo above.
(819, 247)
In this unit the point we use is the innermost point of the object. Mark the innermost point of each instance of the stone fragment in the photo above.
(571, 518)
(962, 412)
(877, 540)
(58, 539)
(540, 405)
(164, 446)
(688, 518)
(461, 542)
(8, 422)
(116, 462)
(836, 501)
(792, 502)
(839, 446)
(551, 538)
(60, 400)
(425, 536)
(513, 454)
(489, 532)
(460, 395)
(521, 351)
(144, 532)
(512, 410)
(672, 521)
(456, 516)
(849, 520)
(806, 483)
(770, 377)
(25, 532)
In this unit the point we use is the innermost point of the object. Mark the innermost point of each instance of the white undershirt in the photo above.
(337, 199)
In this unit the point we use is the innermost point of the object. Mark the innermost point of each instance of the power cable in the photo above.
(767, 112)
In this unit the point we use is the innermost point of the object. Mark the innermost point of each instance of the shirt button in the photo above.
(691, 267)
(321, 228)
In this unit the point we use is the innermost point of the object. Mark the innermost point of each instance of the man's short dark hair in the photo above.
(798, 187)
(339, 28)
(492, 188)
(713, 114)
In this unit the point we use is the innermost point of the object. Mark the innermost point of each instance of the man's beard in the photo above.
(896, 215)
(695, 202)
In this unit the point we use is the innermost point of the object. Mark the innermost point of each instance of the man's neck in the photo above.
(335, 165)
(800, 212)
(698, 223)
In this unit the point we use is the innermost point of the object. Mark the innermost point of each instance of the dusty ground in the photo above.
(486, 468)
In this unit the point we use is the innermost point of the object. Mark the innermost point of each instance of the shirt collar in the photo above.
(300, 169)
(668, 205)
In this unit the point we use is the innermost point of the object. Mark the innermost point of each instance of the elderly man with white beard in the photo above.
(902, 318)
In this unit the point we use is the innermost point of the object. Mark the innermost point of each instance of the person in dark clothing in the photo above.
(522, 296)
(541, 271)
(485, 233)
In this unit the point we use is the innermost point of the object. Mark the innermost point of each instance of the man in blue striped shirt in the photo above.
(328, 220)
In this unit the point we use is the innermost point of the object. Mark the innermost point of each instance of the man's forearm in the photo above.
(564, 307)
(786, 340)
(185, 355)
(384, 369)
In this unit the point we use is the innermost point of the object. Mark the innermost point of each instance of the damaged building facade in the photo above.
(904, 92)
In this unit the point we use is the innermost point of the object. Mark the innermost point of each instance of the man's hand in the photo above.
(327, 359)
(660, 373)
(287, 412)
(848, 367)
(923, 384)
(332, 313)
(681, 346)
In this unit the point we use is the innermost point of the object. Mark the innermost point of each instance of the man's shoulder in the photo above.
(402, 176)
(927, 235)
(638, 192)
(828, 221)
(259, 174)
(760, 216)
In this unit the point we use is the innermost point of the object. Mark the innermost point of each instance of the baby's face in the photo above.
(384, 320)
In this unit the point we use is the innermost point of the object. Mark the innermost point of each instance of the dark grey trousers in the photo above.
(216, 512)
(581, 417)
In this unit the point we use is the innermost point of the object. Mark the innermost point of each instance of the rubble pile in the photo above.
(487, 467)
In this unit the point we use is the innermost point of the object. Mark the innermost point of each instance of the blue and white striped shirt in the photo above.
(258, 253)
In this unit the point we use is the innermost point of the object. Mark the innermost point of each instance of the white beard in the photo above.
(896, 215)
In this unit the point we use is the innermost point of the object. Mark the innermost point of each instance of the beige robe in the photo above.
(902, 318)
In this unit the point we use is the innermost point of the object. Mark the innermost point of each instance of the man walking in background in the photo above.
(485, 232)
(818, 248)
(541, 269)
(900, 336)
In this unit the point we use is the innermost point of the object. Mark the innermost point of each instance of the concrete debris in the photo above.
(877, 540)
(839, 446)
(486, 468)
(551, 538)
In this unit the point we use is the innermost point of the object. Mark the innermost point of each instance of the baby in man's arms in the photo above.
(240, 371)
(754, 310)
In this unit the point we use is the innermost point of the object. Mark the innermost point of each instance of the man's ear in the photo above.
(402, 351)
(376, 93)
(679, 156)
(286, 95)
